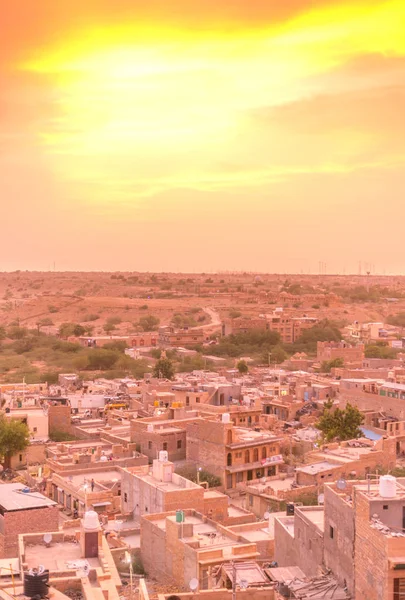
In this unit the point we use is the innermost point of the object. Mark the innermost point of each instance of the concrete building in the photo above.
(172, 337)
(299, 539)
(243, 325)
(176, 548)
(355, 458)
(233, 454)
(161, 490)
(23, 512)
(81, 563)
(327, 351)
(154, 435)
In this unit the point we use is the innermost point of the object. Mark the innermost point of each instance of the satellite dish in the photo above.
(321, 499)
(266, 515)
(263, 480)
(243, 584)
(341, 484)
(47, 539)
(193, 584)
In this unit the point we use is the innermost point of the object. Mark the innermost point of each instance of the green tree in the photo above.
(242, 367)
(328, 365)
(164, 368)
(45, 322)
(149, 323)
(71, 330)
(108, 327)
(17, 333)
(101, 360)
(278, 355)
(14, 437)
(398, 320)
(375, 351)
(341, 424)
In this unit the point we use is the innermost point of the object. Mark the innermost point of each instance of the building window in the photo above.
(385, 506)
(239, 477)
(35, 429)
(264, 452)
(247, 456)
(149, 445)
(331, 532)
(250, 500)
(197, 400)
(229, 460)
(178, 444)
(21, 457)
(187, 400)
(125, 497)
(255, 455)
(164, 445)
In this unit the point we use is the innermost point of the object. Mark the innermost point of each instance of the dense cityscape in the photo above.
(172, 436)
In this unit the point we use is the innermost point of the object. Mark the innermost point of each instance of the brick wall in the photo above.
(370, 558)
(59, 418)
(14, 523)
(339, 550)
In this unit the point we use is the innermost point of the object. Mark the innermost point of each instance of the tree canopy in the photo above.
(164, 368)
(242, 367)
(14, 437)
(341, 424)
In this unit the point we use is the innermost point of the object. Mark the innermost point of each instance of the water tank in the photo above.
(163, 456)
(388, 486)
(103, 458)
(179, 516)
(150, 428)
(226, 418)
(90, 520)
(36, 583)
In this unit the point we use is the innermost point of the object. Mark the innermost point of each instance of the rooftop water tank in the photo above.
(226, 418)
(163, 456)
(388, 486)
(90, 520)
(36, 583)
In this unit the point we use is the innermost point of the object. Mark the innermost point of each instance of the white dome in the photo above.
(90, 520)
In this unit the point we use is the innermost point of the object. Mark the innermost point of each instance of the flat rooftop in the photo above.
(318, 467)
(58, 557)
(12, 498)
(169, 486)
(314, 514)
(111, 476)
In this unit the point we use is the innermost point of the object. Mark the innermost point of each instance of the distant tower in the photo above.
(368, 281)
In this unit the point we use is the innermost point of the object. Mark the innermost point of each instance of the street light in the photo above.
(128, 560)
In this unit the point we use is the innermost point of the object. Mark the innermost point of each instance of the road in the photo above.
(214, 316)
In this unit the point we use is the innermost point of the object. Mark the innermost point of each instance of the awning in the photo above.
(101, 504)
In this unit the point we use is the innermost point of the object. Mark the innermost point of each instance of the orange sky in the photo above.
(197, 136)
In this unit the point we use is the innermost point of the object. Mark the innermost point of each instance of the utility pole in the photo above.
(233, 580)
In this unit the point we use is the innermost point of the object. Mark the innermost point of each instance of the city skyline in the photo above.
(187, 137)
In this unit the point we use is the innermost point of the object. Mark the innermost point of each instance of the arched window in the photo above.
(247, 456)
(229, 437)
(255, 455)
(264, 452)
